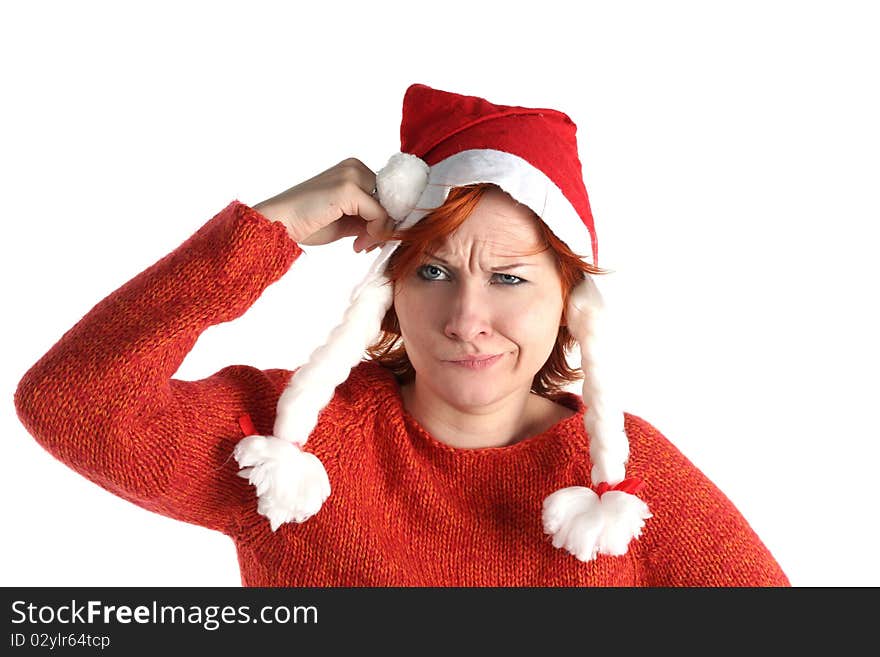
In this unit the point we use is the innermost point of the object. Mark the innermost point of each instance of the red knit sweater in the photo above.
(405, 509)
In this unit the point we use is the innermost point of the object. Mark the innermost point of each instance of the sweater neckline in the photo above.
(560, 436)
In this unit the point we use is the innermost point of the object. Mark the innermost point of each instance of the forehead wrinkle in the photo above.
(476, 253)
(491, 233)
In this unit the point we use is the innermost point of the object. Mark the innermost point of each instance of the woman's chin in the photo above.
(471, 387)
(475, 393)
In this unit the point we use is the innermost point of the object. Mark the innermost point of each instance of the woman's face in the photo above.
(476, 297)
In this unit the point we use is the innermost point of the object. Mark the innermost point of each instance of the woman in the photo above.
(452, 456)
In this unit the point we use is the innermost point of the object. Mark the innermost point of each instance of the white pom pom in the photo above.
(291, 484)
(400, 184)
(572, 517)
(586, 524)
(625, 516)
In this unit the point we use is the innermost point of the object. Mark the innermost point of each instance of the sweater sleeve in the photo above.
(102, 399)
(696, 537)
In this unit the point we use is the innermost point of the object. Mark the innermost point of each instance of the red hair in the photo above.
(429, 234)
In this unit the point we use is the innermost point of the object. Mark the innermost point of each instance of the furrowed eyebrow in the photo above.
(502, 268)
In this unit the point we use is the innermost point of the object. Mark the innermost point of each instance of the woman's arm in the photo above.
(102, 399)
(696, 537)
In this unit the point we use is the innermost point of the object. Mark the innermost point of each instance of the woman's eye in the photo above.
(510, 279)
(434, 273)
(430, 272)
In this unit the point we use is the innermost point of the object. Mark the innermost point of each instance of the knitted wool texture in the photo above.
(405, 509)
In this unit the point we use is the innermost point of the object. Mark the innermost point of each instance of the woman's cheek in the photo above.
(541, 316)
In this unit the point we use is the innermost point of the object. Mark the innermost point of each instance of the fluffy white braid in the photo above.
(603, 420)
(291, 483)
(314, 383)
(580, 520)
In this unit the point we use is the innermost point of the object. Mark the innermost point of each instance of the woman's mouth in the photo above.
(477, 362)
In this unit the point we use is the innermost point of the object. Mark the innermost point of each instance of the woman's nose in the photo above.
(468, 315)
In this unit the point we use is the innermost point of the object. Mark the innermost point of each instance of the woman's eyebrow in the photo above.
(501, 268)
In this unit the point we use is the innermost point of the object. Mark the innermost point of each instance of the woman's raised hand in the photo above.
(334, 204)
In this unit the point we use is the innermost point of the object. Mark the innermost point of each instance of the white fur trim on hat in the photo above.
(525, 183)
(409, 189)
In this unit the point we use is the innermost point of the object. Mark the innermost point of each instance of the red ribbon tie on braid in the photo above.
(247, 425)
(632, 486)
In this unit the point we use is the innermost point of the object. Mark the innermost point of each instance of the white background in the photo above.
(730, 151)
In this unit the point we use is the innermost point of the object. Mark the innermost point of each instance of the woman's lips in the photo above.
(477, 363)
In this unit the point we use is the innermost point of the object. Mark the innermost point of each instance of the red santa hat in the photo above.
(449, 140)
